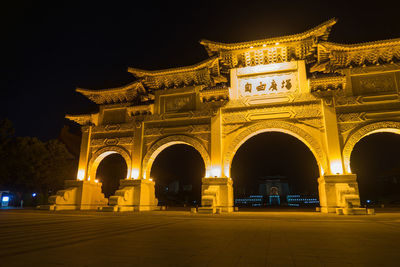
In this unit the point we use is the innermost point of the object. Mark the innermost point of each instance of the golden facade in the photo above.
(327, 95)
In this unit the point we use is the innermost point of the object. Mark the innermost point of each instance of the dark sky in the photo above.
(53, 47)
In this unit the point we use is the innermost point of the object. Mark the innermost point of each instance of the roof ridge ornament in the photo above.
(319, 32)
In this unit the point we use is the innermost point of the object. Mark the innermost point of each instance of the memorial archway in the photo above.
(242, 90)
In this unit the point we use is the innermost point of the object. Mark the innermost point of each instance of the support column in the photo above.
(338, 191)
(136, 193)
(216, 190)
(84, 154)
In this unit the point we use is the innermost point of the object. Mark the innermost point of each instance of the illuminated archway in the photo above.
(111, 170)
(376, 161)
(274, 160)
(358, 134)
(274, 126)
(177, 172)
(101, 153)
(163, 143)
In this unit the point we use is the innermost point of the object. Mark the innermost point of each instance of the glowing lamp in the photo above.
(96, 181)
(33, 194)
(251, 47)
(336, 167)
(150, 179)
(264, 45)
(5, 199)
(135, 173)
(277, 43)
(81, 175)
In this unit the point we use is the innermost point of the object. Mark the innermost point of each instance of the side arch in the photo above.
(274, 126)
(165, 142)
(358, 134)
(103, 152)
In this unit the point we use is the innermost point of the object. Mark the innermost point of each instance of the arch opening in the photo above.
(177, 171)
(112, 168)
(375, 158)
(274, 169)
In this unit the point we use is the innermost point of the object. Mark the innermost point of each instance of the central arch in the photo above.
(274, 126)
(165, 142)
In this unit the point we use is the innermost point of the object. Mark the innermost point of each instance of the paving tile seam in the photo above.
(74, 240)
(97, 228)
(62, 229)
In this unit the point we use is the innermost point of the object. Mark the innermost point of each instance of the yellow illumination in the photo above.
(277, 43)
(150, 179)
(135, 173)
(251, 47)
(336, 167)
(81, 175)
(216, 172)
(226, 171)
(264, 45)
(348, 168)
(96, 181)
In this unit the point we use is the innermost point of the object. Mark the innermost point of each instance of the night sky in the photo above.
(53, 47)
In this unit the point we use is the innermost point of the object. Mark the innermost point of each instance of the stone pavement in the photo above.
(177, 238)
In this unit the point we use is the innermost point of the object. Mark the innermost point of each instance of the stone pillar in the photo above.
(216, 190)
(216, 145)
(133, 195)
(84, 154)
(217, 195)
(338, 190)
(136, 193)
(137, 152)
(77, 195)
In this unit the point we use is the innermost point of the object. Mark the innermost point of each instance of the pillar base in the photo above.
(339, 194)
(216, 195)
(78, 195)
(351, 211)
(133, 195)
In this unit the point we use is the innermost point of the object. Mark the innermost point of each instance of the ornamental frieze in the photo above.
(113, 128)
(199, 128)
(282, 112)
(346, 117)
(345, 127)
(380, 68)
(112, 141)
(230, 128)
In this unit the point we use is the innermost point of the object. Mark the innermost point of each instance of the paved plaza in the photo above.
(179, 238)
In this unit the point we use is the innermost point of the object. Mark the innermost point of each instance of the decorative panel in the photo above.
(374, 84)
(178, 103)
